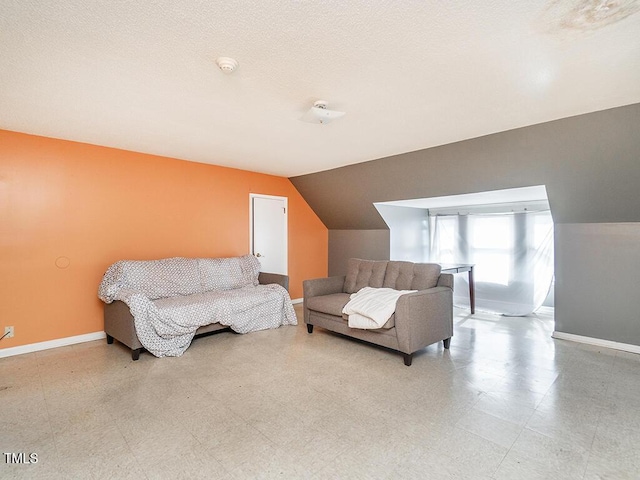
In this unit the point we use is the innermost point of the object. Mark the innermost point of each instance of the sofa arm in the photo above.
(322, 286)
(265, 278)
(317, 287)
(423, 318)
(119, 324)
(445, 280)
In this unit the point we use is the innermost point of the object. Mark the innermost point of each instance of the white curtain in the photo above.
(512, 253)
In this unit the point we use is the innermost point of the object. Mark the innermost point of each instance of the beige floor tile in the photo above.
(494, 429)
(462, 454)
(576, 426)
(100, 452)
(522, 467)
(506, 407)
(48, 465)
(550, 456)
(505, 402)
(613, 467)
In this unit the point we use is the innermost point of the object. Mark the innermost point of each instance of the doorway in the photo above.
(268, 232)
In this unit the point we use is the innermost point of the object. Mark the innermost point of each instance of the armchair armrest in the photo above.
(423, 318)
(265, 278)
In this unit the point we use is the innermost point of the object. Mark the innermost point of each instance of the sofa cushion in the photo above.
(167, 277)
(411, 276)
(330, 304)
(228, 273)
(364, 273)
(334, 303)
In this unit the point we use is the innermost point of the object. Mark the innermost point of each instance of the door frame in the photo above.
(286, 224)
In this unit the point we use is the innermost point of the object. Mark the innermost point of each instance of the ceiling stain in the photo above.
(587, 15)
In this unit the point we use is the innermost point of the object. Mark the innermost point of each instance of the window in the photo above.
(512, 253)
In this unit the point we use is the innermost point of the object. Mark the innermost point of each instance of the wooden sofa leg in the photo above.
(447, 342)
(309, 328)
(135, 354)
(408, 357)
(109, 339)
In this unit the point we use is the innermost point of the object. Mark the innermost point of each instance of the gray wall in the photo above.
(590, 165)
(598, 275)
(346, 244)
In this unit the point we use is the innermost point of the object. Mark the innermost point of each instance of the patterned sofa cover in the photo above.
(160, 305)
(420, 318)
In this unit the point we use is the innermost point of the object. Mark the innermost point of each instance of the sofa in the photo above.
(421, 318)
(159, 306)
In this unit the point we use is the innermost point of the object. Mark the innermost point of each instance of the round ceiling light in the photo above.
(226, 64)
(319, 113)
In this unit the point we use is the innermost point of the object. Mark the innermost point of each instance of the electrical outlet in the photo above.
(8, 331)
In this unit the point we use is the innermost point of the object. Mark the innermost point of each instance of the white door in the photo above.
(269, 232)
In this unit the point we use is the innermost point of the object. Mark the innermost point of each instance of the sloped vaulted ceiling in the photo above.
(590, 165)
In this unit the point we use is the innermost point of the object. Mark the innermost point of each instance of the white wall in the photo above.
(409, 232)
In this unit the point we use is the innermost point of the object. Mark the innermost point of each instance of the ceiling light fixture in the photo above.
(319, 113)
(226, 64)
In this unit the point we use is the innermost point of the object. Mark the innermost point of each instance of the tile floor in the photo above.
(506, 402)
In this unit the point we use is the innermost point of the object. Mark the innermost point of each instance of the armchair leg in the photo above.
(135, 354)
(309, 328)
(109, 339)
(408, 358)
(447, 342)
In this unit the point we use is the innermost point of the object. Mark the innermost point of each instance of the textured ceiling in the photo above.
(410, 74)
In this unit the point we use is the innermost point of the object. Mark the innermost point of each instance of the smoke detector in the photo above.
(226, 64)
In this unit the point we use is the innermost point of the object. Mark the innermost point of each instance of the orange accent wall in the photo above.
(88, 206)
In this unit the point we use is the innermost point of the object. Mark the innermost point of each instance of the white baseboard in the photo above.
(89, 337)
(60, 342)
(296, 300)
(598, 342)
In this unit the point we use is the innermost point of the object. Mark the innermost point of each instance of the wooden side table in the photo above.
(461, 268)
